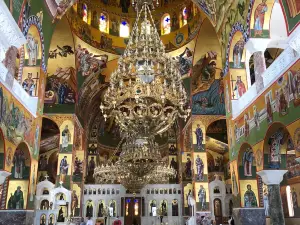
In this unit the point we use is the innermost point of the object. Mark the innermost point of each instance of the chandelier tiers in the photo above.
(146, 94)
(140, 163)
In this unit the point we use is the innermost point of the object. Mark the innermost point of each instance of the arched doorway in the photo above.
(48, 150)
(218, 211)
(18, 186)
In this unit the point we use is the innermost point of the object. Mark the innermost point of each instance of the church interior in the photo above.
(147, 112)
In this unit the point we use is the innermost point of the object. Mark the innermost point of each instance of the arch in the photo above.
(165, 24)
(238, 75)
(124, 28)
(275, 145)
(175, 207)
(43, 219)
(101, 207)
(112, 208)
(2, 148)
(60, 197)
(51, 220)
(246, 162)
(89, 208)
(278, 24)
(44, 205)
(18, 186)
(84, 12)
(104, 22)
(45, 191)
(164, 207)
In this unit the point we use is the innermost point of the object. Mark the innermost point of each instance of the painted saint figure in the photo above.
(266, 203)
(74, 204)
(247, 162)
(175, 208)
(199, 137)
(202, 198)
(65, 138)
(275, 156)
(100, 209)
(234, 184)
(259, 18)
(238, 53)
(61, 217)
(32, 48)
(63, 168)
(189, 200)
(164, 208)
(250, 198)
(89, 210)
(200, 168)
(28, 84)
(269, 109)
(239, 88)
(256, 117)
(247, 128)
(188, 168)
(19, 164)
(283, 103)
(294, 198)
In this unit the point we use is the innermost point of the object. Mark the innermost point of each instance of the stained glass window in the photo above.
(166, 24)
(84, 13)
(103, 23)
(124, 29)
(136, 207)
(184, 16)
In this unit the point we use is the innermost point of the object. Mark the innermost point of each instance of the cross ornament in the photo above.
(61, 183)
(46, 176)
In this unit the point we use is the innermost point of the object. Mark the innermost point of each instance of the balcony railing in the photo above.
(285, 60)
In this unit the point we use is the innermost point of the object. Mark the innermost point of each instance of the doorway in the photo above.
(218, 211)
(133, 211)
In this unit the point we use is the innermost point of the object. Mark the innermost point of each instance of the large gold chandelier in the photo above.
(140, 163)
(146, 94)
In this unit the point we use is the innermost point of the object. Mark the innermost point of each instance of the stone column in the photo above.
(272, 179)
(259, 68)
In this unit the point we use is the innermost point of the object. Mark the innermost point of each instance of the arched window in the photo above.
(166, 24)
(84, 13)
(124, 29)
(184, 16)
(103, 23)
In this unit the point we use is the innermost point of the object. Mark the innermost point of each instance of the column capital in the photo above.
(3, 175)
(270, 177)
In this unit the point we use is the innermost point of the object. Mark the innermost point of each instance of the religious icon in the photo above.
(259, 18)
(16, 201)
(294, 198)
(188, 168)
(239, 87)
(250, 198)
(43, 219)
(217, 207)
(266, 202)
(175, 207)
(200, 168)
(268, 99)
(112, 206)
(43, 163)
(256, 117)
(153, 208)
(202, 198)
(199, 137)
(238, 53)
(275, 141)
(51, 219)
(89, 209)
(32, 47)
(91, 167)
(19, 164)
(74, 203)
(28, 85)
(78, 167)
(163, 207)
(282, 102)
(294, 81)
(63, 168)
(227, 97)
(61, 216)
(247, 162)
(185, 62)
(65, 138)
(101, 209)
(173, 164)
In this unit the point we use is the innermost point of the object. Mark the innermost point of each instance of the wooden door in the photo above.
(133, 211)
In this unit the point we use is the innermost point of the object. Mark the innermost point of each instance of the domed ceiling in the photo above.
(106, 24)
